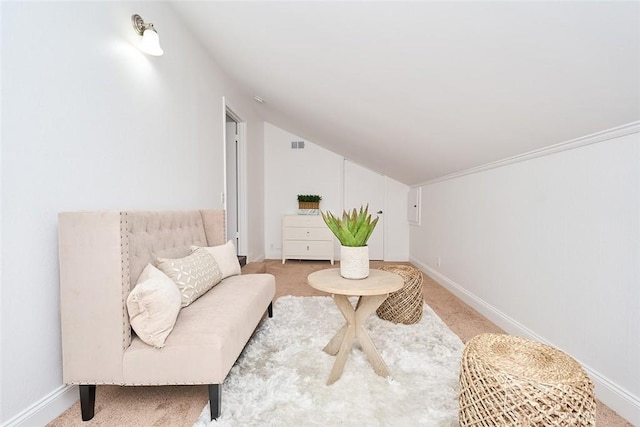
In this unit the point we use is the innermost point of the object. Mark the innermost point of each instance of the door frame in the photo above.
(231, 111)
(383, 193)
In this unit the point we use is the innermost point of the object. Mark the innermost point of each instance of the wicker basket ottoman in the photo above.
(404, 306)
(511, 381)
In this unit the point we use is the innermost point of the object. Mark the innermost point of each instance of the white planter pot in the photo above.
(354, 262)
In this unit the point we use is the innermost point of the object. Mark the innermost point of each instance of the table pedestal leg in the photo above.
(341, 343)
(334, 345)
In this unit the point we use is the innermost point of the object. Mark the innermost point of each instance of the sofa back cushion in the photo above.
(150, 235)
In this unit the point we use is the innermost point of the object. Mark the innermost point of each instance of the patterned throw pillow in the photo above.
(194, 274)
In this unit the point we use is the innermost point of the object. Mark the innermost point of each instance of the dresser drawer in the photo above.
(306, 237)
(303, 249)
(303, 221)
(307, 233)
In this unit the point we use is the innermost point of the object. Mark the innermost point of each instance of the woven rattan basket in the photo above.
(308, 205)
(405, 305)
(511, 381)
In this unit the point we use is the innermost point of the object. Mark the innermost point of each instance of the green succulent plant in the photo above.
(309, 198)
(353, 229)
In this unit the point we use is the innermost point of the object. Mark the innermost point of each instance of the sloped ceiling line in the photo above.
(422, 90)
(606, 135)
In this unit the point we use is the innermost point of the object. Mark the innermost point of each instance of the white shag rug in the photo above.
(280, 378)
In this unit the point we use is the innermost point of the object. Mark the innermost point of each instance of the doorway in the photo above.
(233, 233)
(361, 187)
(234, 180)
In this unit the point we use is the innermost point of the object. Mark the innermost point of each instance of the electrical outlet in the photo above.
(438, 261)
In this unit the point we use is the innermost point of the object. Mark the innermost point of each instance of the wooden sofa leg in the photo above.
(215, 399)
(87, 401)
(270, 309)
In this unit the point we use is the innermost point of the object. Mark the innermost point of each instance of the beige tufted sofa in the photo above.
(101, 256)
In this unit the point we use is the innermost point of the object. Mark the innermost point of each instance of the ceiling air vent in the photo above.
(297, 144)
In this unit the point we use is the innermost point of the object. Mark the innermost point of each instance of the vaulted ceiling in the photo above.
(419, 90)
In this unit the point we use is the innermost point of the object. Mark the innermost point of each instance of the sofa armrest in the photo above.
(91, 297)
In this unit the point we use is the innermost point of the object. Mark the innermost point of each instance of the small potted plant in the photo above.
(309, 204)
(353, 231)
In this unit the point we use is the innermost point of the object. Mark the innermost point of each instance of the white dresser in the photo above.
(306, 237)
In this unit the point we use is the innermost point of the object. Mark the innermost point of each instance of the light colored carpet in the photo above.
(280, 379)
(179, 406)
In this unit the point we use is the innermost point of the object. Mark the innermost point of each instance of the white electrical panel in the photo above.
(413, 206)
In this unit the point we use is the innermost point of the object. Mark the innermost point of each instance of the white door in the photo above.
(362, 187)
(232, 181)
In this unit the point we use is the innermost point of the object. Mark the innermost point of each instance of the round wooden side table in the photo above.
(371, 292)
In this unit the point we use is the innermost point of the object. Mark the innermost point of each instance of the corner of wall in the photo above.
(46, 409)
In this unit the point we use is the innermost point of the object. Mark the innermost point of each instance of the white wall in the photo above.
(88, 123)
(289, 172)
(315, 170)
(549, 248)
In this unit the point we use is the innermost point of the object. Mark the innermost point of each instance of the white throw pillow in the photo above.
(153, 305)
(194, 274)
(226, 257)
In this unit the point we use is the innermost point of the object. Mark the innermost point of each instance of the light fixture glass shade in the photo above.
(151, 43)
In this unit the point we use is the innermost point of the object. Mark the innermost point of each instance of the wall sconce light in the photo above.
(150, 42)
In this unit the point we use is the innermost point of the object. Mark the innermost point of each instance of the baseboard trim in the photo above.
(46, 409)
(608, 392)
